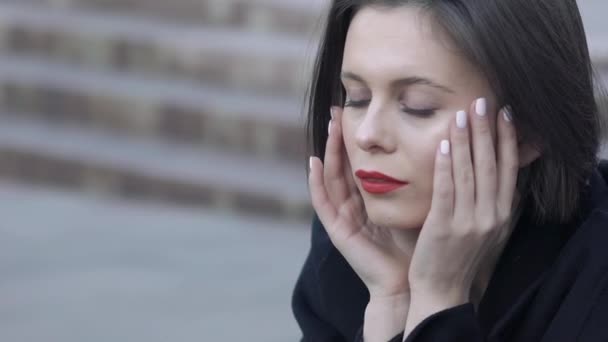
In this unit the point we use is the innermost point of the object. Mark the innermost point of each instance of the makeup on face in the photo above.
(403, 86)
(375, 182)
(414, 94)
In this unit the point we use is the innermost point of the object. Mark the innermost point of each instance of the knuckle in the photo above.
(483, 128)
(466, 226)
(467, 176)
(487, 222)
(461, 137)
(465, 232)
(444, 234)
(447, 195)
(502, 218)
(444, 193)
(488, 167)
(443, 169)
(441, 164)
(463, 223)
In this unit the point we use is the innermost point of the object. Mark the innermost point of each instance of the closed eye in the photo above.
(356, 104)
(418, 112)
(414, 111)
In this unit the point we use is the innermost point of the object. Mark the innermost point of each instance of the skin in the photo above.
(424, 247)
(383, 45)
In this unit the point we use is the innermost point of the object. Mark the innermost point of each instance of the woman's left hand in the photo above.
(470, 217)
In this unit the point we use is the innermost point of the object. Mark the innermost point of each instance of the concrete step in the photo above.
(293, 16)
(275, 63)
(266, 126)
(94, 160)
(153, 273)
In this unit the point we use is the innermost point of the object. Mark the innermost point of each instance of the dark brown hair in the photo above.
(535, 56)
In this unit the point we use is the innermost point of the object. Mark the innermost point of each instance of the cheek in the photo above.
(423, 146)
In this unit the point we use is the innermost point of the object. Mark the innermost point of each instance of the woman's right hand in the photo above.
(380, 256)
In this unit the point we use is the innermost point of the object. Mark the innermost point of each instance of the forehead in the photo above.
(383, 42)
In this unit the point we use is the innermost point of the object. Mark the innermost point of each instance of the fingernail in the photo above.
(332, 110)
(506, 113)
(445, 147)
(461, 119)
(329, 128)
(481, 106)
(309, 164)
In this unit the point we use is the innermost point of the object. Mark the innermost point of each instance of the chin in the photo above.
(394, 217)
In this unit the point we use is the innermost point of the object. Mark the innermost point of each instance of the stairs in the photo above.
(293, 16)
(199, 103)
(195, 102)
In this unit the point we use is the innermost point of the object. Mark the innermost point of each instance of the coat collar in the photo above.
(528, 255)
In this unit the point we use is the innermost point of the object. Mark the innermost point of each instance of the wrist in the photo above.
(427, 302)
(440, 296)
(385, 317)
(437, 301)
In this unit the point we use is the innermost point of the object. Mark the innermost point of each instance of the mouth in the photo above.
(376, 182)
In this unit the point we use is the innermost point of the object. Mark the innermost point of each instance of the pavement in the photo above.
(75, 267)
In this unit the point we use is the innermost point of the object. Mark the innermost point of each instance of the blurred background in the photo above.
(152, 174)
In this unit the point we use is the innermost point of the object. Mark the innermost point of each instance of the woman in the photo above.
(456, 184)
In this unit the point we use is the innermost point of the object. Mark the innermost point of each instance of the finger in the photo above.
(355, 199)
(333, 171)
(462, 166)
(348, 176)
(320, 201)
(347, 173)
(507, 159)
(484, 158)
(442, 203)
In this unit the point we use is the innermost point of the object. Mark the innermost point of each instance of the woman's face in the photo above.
(395, 127)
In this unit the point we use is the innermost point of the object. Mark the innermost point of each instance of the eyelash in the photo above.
(416, 112)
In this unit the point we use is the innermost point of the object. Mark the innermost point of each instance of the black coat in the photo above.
(550, 284)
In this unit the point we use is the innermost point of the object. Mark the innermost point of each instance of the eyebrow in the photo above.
(412, 80)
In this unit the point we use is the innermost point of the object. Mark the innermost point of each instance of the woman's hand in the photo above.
(376, 254)
(469, 221)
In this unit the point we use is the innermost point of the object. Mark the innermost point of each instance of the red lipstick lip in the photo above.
(376, 182)
(362, 174)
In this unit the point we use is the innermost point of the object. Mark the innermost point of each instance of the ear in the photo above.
(527, 153)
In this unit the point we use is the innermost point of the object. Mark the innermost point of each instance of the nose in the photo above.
(374, 133)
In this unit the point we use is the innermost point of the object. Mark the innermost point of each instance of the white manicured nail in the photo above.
(329, 128)
(461, 119)
(445, 147)
(481, 106)
(506, 112)
(309, 164)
